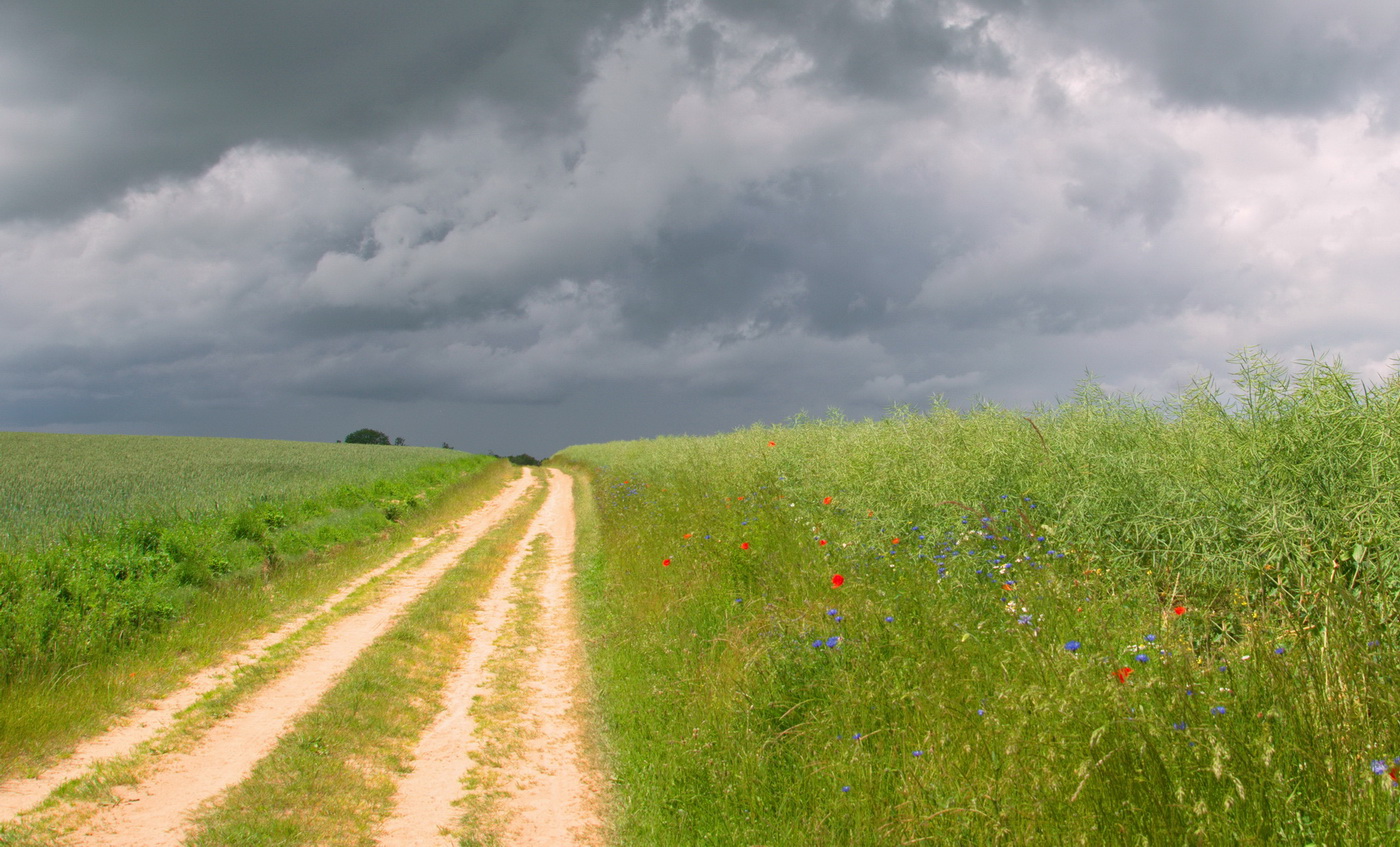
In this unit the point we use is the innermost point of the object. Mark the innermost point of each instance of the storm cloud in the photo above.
(519, 225)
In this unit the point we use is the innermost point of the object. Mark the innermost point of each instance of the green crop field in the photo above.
(51, 485)
(106, 539)
(1102, 622)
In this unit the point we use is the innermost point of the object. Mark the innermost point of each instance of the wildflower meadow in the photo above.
(1101, 622)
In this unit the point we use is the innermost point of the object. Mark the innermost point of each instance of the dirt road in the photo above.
(551, 793)
(546, 795)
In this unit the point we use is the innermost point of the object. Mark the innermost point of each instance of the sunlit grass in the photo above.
(1102, 622)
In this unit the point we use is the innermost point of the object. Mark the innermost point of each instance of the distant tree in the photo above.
(367, 436)
(399, 442)
(523, 459)
(446, 446)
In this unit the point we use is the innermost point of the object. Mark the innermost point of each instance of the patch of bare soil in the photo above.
(155, 811)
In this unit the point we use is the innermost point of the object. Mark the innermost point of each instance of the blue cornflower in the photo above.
(1217, 710)
(1141, 657)
(839, 619)
(889, 618)
(1378, 766)
(1025, 619)
(1151, 638)
(833, 641)
(738, 599)
(818, 643)
(918, 753)
(1179, 725)
(830, 613)
(845, 789)
(855, 737)
(1071, 646)
(1278, 651)
(981, 711)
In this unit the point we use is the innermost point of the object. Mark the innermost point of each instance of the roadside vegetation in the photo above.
(170, 550)
(1099, 622)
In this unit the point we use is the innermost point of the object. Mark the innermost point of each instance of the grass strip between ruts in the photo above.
(500, 712)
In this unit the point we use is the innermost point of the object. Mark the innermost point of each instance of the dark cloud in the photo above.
(885, 50)
(154, 87)
(1256, 56)
(1302, 57)
(833, 249)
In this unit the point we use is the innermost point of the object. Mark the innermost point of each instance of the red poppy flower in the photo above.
(826, 501)
(821, 543)
(665, 562)
(687, 535)
(895, 541)
(1180, 610)
(744, 546)
(772, 444)
(837, 580)
(1122, 674)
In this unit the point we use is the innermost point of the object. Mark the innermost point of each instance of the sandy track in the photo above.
(556, 801)
(551, 795)
(155, 812)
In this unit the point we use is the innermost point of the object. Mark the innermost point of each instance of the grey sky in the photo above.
(519, 225)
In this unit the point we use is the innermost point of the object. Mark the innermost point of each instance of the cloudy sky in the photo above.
(514, 225)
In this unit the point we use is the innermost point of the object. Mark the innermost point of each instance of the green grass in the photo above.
(54, 485)
(223, 615)
(1270, 518)
(111, 538)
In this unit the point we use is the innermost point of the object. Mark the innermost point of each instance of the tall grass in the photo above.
(1103, 622)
